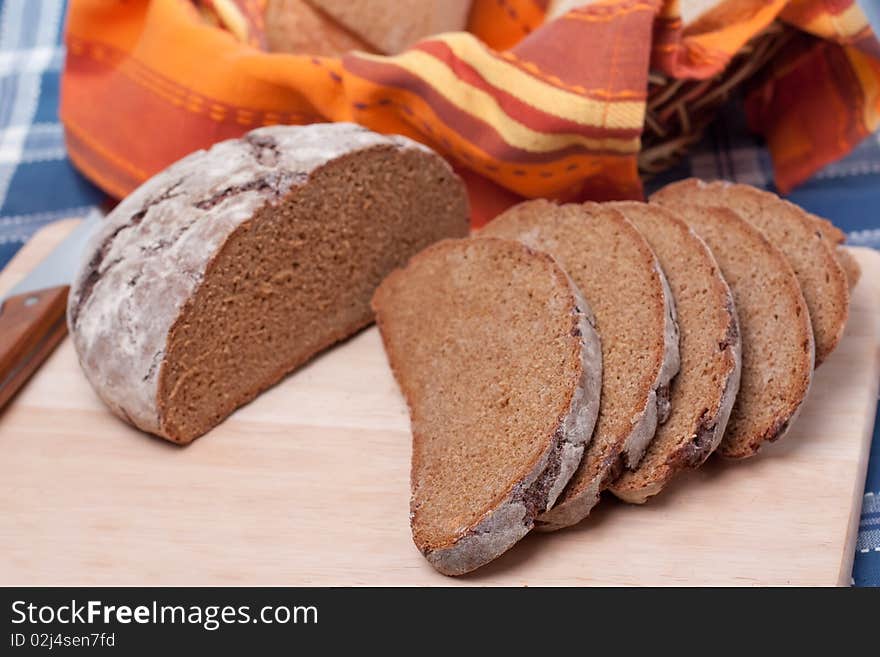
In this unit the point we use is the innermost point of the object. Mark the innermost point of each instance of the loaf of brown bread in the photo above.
(390, 26)
(235, 265)
(294, 26)
(799, 236)
(614, 267)
(777, 340)
(703, 391)
(494, 350)
(333, 27)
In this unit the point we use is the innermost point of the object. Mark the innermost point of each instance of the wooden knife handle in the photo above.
(31, 325)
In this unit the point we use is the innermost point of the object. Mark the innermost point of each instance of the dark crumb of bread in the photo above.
(298, 277)
(703, 392)
(614, 267)
(777, 340)
(490, 344)
(800, 237)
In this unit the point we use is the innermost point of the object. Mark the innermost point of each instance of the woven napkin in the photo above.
(524, 104)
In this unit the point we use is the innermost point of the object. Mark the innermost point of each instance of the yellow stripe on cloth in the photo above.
(483, 106)
(552, 100)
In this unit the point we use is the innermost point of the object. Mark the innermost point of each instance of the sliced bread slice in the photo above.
(850, 265)
(836, 238)
(495, 352)
(801, 239)
(703, 392)
(777, 340)
(830, 233)
(614, 267)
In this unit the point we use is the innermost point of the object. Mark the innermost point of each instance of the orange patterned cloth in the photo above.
(523, 107)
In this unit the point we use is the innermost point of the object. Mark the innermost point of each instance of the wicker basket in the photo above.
(678, 111)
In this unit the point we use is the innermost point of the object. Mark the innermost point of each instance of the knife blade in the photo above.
(32, 314)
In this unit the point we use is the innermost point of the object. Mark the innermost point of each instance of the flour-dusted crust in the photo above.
(536, 486)
(777, 338)
(705, 390)
(562, 230)
(656, 408)
(152, 252)
(503, 527)
(655, 411)
(296, 27)
(708, 431)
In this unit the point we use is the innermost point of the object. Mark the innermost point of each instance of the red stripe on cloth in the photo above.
(517, 108)
(476, 131)
(570, 49)
(671, 56)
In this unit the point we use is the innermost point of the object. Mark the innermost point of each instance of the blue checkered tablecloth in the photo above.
(38, 184)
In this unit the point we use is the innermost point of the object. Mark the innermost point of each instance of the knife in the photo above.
(33, 314)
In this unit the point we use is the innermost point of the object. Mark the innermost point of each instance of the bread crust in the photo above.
(708, 429)
(152, 252)
(578, 501)
(578, 506)
(500, 529)
(787, 415)
(807, 242)
(503, 525)
(726, 222)
(656, 410)
(849, 265)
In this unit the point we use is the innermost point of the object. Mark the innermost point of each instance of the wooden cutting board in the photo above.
(309, 485)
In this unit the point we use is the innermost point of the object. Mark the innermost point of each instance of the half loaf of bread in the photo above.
(495, 353)
(616, 270)
(235, 265)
